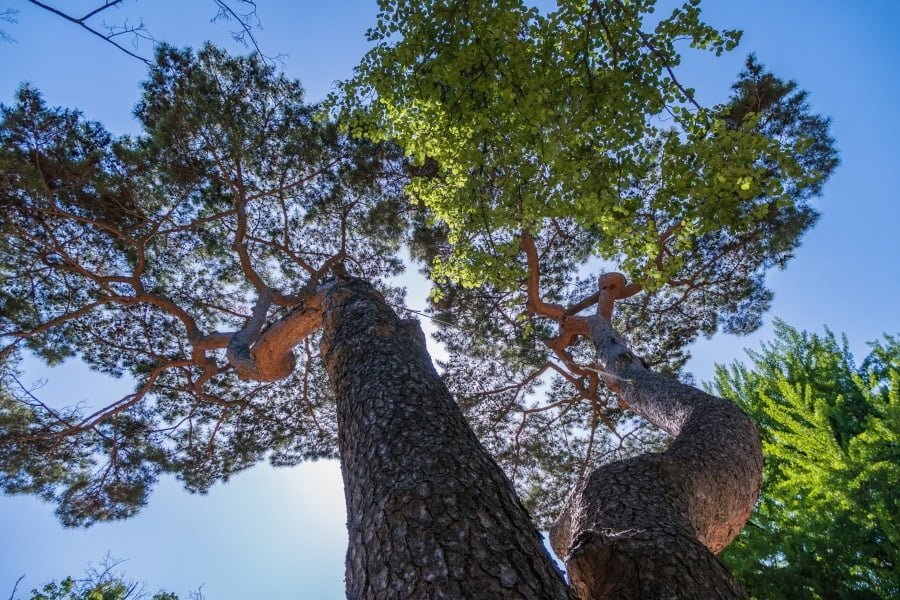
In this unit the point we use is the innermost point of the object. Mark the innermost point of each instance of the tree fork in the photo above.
(430, 514)
(649, 527)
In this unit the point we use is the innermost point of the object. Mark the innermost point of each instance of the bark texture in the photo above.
(430, 514)
(649, 527)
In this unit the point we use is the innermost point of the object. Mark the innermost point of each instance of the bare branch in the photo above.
(227, 13)
(81, 23)
(99, 9)
(238, 352)
(8, 16)
(519, 385)
(12, 594)
(246, 21)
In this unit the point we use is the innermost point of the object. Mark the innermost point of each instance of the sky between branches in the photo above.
(280, 533)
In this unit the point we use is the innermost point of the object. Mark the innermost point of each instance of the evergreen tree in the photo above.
(826, 523)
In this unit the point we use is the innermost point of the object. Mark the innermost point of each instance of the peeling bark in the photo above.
(650, 527)
(430, 514)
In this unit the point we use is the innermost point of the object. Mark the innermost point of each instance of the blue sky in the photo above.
(280, 533)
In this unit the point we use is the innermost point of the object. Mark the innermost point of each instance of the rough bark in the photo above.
(649, 527)
(430, 514)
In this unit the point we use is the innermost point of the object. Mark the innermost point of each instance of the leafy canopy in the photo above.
(103, 581)
(569, 130)
(826, 523)
(529, 118)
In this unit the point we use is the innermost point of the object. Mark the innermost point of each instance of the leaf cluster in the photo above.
(695, 204)
(100, 582)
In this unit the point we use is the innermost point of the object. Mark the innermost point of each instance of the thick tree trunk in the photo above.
(430, 514)
(649, 527)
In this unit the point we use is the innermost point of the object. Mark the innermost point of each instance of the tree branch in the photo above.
(647, 44)
(80, 22)
(225, 12)
(238, 352)
(534, 301)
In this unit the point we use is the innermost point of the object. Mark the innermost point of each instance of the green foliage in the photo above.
(125, 251)
(826, 523)
(573, 128)
(576, 114)
(101, 582)
(67, 590)
(536, 420)
(569, 126)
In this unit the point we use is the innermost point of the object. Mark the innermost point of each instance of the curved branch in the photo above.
(240, 246)
(267, 355)
(245, 33)
(533, 281)
(272, 352)
(238, 350)
(613, 286)
(644, 516)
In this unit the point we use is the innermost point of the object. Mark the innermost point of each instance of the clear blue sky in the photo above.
(280, 533)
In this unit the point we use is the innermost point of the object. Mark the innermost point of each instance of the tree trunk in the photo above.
(649, 527)
(429, 512)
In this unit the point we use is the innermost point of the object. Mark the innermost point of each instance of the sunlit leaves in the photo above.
(536, 116)
(574, 126)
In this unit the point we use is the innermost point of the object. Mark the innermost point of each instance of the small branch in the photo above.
(647, 44)
(225, 12)
(238, 351)
(285, 187)
(518, 385)
(228, 13)
(614, 50)
(99, 9)
(12, 594)
(240, 243)
(8, 16)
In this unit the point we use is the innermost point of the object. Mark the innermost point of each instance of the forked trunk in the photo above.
(429, 512)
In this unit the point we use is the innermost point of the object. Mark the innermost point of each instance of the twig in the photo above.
(12, 594)
(421, 314)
